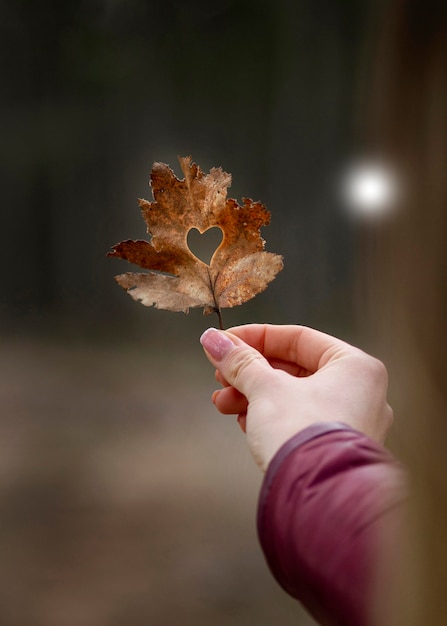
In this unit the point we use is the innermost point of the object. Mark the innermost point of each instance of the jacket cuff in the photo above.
(305, 435)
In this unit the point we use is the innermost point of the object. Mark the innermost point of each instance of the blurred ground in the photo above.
(126, 500)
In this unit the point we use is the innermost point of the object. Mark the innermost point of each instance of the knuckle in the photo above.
(379, 371)
(389, 417)
(374, 368)
(239, 362)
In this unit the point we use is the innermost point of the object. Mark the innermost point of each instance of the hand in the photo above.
(281, 379)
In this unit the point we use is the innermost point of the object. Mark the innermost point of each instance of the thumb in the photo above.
(243, 367)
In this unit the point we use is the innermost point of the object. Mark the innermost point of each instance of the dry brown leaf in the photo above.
(176, 278)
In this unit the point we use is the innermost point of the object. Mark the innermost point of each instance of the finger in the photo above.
(242, 421)
(220, 379)
(290, 368)
(230, 401)
(309, 348)
(239, 364)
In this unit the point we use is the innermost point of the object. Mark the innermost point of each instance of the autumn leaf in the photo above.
(176, 279)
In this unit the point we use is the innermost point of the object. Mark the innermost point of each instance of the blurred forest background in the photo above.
(125, 499)
(94, 91)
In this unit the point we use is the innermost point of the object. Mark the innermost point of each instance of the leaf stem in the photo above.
(216, 306)
(219, 315)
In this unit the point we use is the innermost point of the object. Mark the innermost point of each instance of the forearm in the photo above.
(328, 499)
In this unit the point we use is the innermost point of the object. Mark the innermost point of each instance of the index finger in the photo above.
(309, 348)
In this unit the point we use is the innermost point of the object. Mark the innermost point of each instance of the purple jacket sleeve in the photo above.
(328, 497)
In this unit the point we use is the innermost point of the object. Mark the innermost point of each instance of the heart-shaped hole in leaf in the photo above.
(203, 246)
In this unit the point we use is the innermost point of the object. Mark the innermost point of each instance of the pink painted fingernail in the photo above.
(216, 343)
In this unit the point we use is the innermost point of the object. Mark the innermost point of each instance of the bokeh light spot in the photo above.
(370, 189)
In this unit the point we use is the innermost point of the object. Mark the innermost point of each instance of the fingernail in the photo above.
(216, 343)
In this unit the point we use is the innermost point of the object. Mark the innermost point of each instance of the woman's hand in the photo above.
(281, 379)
